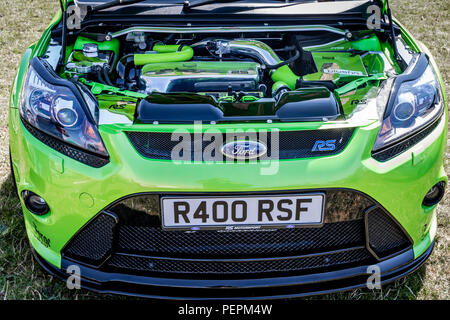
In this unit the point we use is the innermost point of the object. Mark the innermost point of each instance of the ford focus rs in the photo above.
(228, 149)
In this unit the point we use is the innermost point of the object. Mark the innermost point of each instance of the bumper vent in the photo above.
(384, 235)
(292, 144)
(94, 242)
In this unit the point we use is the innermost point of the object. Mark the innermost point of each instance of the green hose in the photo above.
(165, 53)
(277, 86)
(285, 75)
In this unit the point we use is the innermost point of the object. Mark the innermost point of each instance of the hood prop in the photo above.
(62, 58)
(393, 40)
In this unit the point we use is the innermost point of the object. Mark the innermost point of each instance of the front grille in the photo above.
(137, 244)
(214, 244)
(149, 264)
(66, 149)
(291, 144)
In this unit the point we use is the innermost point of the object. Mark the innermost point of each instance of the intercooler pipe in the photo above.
(278, 69)
(165, 53)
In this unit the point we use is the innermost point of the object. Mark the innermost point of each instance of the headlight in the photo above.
(414, 103)
(60, 109)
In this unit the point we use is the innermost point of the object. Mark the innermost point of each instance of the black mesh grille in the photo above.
(150, 264)
(154, 241)
(396, 149)
(385, 236)
(292, 144)
(94, 243)
(66, 149)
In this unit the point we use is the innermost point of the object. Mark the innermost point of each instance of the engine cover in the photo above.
(200, 76)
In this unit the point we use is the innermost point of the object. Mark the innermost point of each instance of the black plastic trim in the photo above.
(71, 151)
(403, 145)
(263, 288)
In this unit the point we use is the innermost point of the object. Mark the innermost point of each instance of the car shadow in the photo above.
(9, 199)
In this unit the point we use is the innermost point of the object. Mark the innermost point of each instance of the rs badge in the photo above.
(322, 145)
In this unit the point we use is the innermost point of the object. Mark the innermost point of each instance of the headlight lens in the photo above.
(416, 105)
(55, 110)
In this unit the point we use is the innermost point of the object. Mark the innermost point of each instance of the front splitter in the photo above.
(98, 281)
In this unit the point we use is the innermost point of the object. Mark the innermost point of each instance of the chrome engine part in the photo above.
(86, 60)
(201, 76)
(246, 47)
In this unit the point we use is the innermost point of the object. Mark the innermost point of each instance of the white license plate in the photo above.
(197, 213)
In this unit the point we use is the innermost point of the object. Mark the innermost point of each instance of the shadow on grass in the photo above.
(22, 278)
(406, 288)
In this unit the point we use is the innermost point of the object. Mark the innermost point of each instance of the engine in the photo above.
(268, 75)
(214, 66)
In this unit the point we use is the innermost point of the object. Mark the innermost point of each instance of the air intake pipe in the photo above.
(278, 69)
(165, 53)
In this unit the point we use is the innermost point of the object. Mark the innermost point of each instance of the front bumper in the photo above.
(398, 186)
(263, 288)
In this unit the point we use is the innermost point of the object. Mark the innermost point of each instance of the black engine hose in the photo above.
(288, 61)
(106, 75)
(99, 75)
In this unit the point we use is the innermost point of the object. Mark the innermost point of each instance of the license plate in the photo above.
(282, 211)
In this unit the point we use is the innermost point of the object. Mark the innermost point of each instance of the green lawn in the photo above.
(21, 277)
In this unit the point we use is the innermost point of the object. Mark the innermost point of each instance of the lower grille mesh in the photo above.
(154, 241)
(233, 267)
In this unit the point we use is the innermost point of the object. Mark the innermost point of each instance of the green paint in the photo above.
(112, 45)
(359, 82)
(118, 104)
(97, 88)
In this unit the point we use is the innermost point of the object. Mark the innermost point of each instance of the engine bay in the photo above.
(145, 76)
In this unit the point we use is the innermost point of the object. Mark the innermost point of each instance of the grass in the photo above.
(23, 21)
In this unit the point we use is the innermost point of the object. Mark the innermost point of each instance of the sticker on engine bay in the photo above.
(343, 72)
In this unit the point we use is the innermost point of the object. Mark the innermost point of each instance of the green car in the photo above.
(228, 149)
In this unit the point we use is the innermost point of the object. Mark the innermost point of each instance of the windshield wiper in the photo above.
(188, 5)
